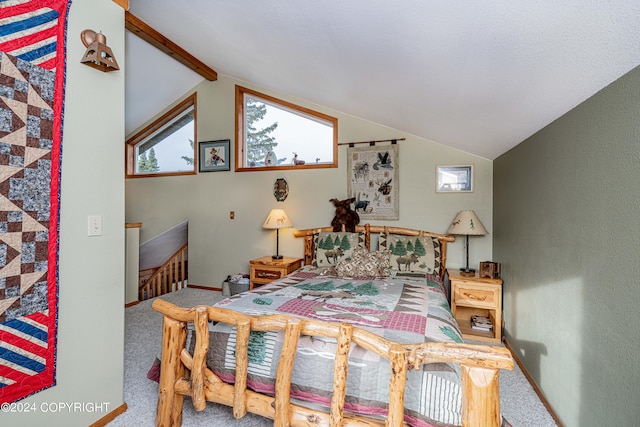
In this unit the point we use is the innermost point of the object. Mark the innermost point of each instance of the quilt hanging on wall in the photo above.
(32, 68)
(373, 181)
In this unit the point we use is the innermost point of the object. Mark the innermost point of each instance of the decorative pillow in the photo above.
(365, 264)
(413, 253)
(330, 247)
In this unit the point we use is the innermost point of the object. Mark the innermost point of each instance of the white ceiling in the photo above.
(480, 76)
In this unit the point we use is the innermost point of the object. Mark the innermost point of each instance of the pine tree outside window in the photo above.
(165, 147)
(273, 134)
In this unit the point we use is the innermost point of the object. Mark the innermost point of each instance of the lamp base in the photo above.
(276, 256)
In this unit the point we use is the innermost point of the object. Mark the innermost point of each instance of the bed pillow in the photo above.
(365, 264)
(331, 247)
(415, 254)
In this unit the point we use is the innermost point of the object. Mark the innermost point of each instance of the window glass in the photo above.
(275, 134)
(165, 147)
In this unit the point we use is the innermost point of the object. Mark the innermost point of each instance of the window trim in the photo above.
(239, 146)
(182, 106)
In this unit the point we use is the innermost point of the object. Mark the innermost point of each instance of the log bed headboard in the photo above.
(368, 229)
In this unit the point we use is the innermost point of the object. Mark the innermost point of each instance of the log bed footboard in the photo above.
(480, 370)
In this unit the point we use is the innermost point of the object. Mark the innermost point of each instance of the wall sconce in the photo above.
(98, 54)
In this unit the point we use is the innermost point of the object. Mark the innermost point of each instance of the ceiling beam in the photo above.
(122, 3)
(153, 37)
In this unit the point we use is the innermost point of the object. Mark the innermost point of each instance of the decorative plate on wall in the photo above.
(281, 189)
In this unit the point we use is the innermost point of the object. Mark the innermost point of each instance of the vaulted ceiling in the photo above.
(479, 76)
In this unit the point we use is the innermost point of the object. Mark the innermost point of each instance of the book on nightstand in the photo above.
(481, 323)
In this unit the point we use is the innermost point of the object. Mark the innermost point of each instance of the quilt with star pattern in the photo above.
(32, 68)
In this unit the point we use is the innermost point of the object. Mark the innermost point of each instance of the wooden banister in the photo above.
(170, 276)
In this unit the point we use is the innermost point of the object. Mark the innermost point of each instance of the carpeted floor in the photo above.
(143, 328)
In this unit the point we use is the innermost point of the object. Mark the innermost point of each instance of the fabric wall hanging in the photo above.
(32, 69)
(373, 181)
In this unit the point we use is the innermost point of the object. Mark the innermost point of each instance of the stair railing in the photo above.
(169, 277)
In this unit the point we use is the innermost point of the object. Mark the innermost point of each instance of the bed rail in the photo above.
(480, 369)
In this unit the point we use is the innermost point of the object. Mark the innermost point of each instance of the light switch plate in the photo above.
(95, 225)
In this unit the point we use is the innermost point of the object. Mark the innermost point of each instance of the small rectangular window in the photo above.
(166, 146)
(275, 134)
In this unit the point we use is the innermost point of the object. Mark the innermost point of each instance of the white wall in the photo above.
(91, 274)
(219, 246)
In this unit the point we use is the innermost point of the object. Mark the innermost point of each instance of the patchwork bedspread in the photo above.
(407, 310)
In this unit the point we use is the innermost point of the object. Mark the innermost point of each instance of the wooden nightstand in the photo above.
(266, 269)
(474, 295)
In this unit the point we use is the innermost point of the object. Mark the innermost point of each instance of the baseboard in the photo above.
(206, 288)
(110, 416)
(131, 304)
(543, 399)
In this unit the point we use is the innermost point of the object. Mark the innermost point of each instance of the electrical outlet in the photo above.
(95, 225)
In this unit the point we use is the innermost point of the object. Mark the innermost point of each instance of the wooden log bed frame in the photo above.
(183, 374)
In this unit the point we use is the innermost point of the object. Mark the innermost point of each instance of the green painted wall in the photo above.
(566, 216)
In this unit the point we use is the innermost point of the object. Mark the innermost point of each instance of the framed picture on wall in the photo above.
(454, 179)
(214, 156)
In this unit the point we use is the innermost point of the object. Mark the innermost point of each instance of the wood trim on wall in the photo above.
(110, 416)
(153, 37)
(150, 129)
(285, 105)
(204, 288)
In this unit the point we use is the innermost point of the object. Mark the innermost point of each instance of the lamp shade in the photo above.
(467, 223)
(277, 218)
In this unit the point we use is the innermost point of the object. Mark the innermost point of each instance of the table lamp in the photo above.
(467, 223)
(277, 219)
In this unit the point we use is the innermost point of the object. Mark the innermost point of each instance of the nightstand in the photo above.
(475, 295)
(266, 269)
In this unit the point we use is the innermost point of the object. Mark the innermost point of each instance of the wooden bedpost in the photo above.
(308, 249)
(174, 337)
(481, 396)
(201, 324)
(397, 382)
(284, 371)
(243, 331)
(340, 370)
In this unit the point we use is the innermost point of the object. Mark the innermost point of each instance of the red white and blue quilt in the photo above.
(32, 78)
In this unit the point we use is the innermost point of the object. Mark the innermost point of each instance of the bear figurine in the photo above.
(344, 215)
